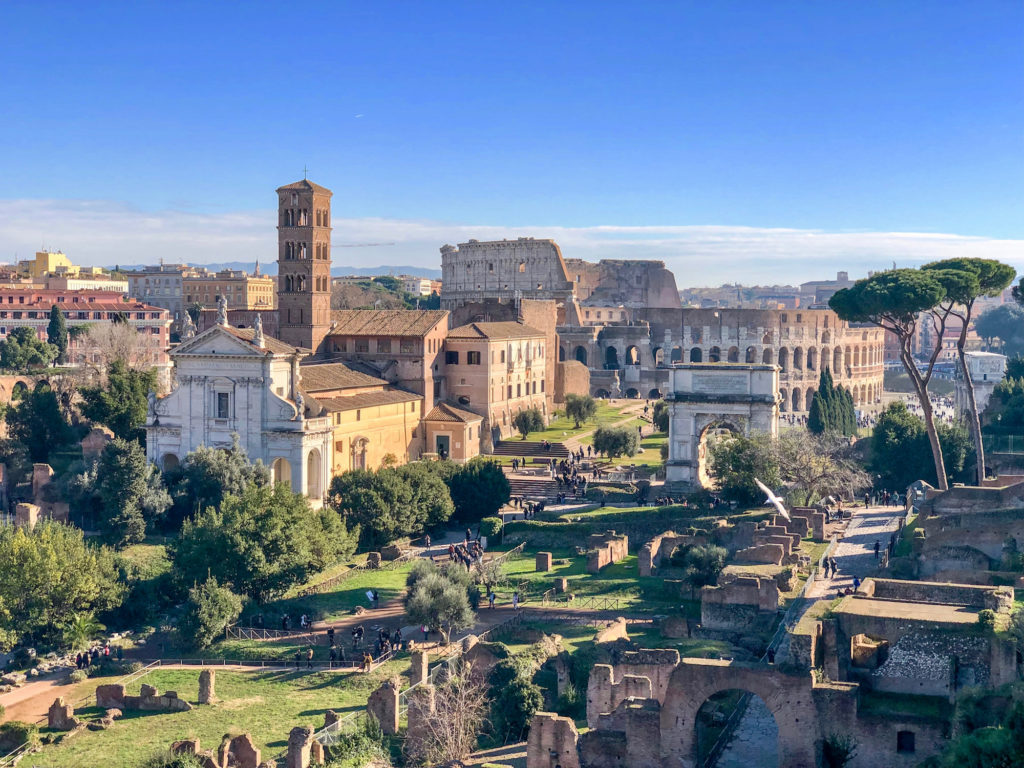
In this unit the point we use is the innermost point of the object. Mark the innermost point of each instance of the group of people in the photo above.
(466, 553)
(85, 659)
(530, 508)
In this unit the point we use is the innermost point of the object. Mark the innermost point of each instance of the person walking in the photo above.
(515, 600)
(490, 599)
(309, 657)
(298, 659)
(426, 542)
(877, 548)
(333, 655)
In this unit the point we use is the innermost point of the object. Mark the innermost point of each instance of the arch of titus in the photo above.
(706, 396)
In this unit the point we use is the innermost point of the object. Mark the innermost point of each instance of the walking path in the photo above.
(855, 556)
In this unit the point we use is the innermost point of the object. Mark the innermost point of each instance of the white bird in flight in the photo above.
(774, 500)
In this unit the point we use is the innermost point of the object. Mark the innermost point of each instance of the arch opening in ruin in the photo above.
(632, 356)
(604, 394)
(751, 355)
(756, 715)
(766, 357)
(718, 429)
(696, 355)
(581, 354)
(784, 359)
(734, 355)
(611, 358)
(561, 353)
(714, 355)
(632, 393)
(659, 357)
(654, 394)
(281, 471)
(677, 355)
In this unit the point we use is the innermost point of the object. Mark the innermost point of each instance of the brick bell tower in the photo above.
(303, 264)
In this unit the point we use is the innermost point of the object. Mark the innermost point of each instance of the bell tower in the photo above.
(303, 263)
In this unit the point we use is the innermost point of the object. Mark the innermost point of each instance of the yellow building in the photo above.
(242, 290)
(371, 419)
(53, 269)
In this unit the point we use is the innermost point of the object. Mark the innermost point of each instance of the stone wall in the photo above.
(571, 378)
(149, 699)
(654, 553)
(735, 604)
(605, 691)
(635, 730)
(552, 742)
(606, 548)
(996, 598)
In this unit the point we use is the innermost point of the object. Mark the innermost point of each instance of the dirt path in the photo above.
(31, 702)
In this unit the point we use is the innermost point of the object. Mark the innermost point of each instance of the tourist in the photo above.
(334, 654)
(856, 583)
(397, 640)
(515, 600)
(298, 659)
(330, 636)
(490, 598)
(376, 599)
(425, 631)
(309, 657)
(78, 660)
(824, 566)
(302, 621)
(367, 662)
(877, 548)
(426, 542)
(284, 622)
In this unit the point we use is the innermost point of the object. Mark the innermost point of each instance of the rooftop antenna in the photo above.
(305, 172)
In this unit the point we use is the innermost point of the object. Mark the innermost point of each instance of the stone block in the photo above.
(148, 691)
(244, 751)
(420, 667)
(383, 705)
(391, 552)
(61, 716)
(373, 559)
(616, 630)
(26, 515)
(552, 741)
(543, 562)
(317, 753)
(185, 747)
(561, 585)
(113, 714)
(110, 696)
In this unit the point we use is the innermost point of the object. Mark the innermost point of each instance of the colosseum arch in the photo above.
(837, 360)
(784, 404)
(696, 355)
(784, 359)
(677, 355)
(812, 358)
(632, 356)
(581, 354)
(798, 399)
(798, 358)
(790, 699)
(809, 397)
(733, 355)
(751, 356)
(766, 356)
(826, 337)
(659, 357)
(714, 355)
(611, 358)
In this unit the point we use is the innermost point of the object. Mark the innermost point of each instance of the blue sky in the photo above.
(624, 127)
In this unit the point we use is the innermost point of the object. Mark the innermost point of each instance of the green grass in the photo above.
(150, 557)
(561, 428)
(904, 705)
(905, 544)
(265, 704)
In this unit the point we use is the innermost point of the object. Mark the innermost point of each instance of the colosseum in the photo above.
(622, 319)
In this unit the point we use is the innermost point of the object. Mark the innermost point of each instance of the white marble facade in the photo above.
(230, 381)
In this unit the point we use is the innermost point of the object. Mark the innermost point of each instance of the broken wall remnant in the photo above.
(606, 548)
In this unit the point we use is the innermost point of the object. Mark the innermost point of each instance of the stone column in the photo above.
(207, 678)
(383, 705)
(300, 743)
(420, 667)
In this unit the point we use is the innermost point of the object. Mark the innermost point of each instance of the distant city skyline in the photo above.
(736, 141)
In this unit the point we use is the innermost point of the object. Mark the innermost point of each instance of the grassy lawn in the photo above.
(561, 428)
(266, 704)
(905, 544)
(150, 557)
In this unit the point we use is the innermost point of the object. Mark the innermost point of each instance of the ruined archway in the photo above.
(716, 429)
(632, 393)
(748, 714)
(654, 394)
(611, 358)
(751, 355)
(733, 355)
(696, 355)
(581, 354)
(784, 359)
(632, 356)
(788, 698)
(659, 357)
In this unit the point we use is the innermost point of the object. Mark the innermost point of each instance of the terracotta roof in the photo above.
(305, 184)
(98, 306)
(502, 330)
(449, 413)
(385, 322)
(328, 376)
(367, 400)
(270, 344)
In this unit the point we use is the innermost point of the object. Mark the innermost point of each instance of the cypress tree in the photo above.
(57, 332)
(816, 419)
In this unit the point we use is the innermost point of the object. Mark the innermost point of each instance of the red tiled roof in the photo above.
(385, 322)
(449, 413)
(500, 330)
(323, 377)
(367, 400)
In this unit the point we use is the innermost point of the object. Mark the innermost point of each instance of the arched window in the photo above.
(812, 359)
(766, 356)
(632, 356)
(580, 354)
(714, 355)
(751, 355)
(797, 399)
(734, 354)
(696, 355)
(611, 358)
(798, 358)
(784, 359)
(784, 395)
(837, 360)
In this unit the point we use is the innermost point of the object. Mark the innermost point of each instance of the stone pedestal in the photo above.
(561, 585)
(300, 743)
(543, 561)
(420, 667)
(207, 678)
(383, 705)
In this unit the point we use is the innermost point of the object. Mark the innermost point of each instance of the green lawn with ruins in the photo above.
(562, 428)
(265, 704)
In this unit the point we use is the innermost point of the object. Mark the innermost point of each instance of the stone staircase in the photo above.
(533, 489)
(530, 450)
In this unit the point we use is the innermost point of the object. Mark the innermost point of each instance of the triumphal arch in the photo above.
(707, 397)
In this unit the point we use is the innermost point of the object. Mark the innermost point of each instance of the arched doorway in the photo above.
(798, 399)
(752, 717)
(696, 355)
(766, 357)
(281, 470)
(611, 358)
(734, 355)
(659, 357)
(561, 353)
(632, 355)
(677, 355)
(654, 394)
(170, 461)
(632, 394)
(714, 355)
(603, 394)
(798, 358)
(784, 396)
(717, 430)
(837, 360)
(784, 359)
(581, 354)
(313, 486)
(812, 358)
(751, 355)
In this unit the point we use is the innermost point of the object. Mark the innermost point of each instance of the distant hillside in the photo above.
(270, 268)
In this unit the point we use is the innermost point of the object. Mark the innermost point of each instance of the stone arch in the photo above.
(837, 360)
(659, 357)
(632, 356)
(561, 353)
(798, 358)
(826, 337)
(766, 356)
(696, 355)
(19, 389)
(707, 732)
(789, 698)
(812, 358)
(603, 394)
(654, 394)
(314, 487)
(751, 356)
(808, 398)
(714, 355)
(798, 399)
(856, 356)
(611, 358)
(715, 425)
(169, 461)
(784, 395)
(581, 354)
(632, 393)
(784, 359)
(826, 358)
(767, 338)
(677, 355)
(733, 356)
(281, 471)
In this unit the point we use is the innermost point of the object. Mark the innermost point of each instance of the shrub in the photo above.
(490, 527)
(571, 703)
(16, 733)
(527, 421)
(986, 619)
(77, 676)
(209, 609)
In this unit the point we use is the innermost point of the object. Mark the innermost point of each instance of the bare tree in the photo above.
(106, 342)
(450, 733)
(818, 465)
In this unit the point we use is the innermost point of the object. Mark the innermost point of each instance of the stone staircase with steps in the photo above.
(530, 450)
(533, 489)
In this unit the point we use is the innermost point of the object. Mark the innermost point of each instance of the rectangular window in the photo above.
(519, 390)
(223, 403)
(362, 345)
(542, 385)
(472, 358)
(359, 415)
(383, 345)
(407, 346)
(509, 391)
(451, 358)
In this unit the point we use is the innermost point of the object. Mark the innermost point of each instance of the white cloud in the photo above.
(103, 232)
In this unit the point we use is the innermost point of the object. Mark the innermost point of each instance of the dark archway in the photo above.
(581, 354)
(632, 393)
(734, 355)
(753, 714)
(632, 355)
(677, 355)
(603, 394)
(659, 357)
(654, 394)
(714, 355)
(561, 353)
(696, 355)
(611, 358)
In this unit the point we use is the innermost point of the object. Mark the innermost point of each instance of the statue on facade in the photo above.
(222, 310)
(188, 328)
(300, 406)
(151, 397)
(257, 331)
